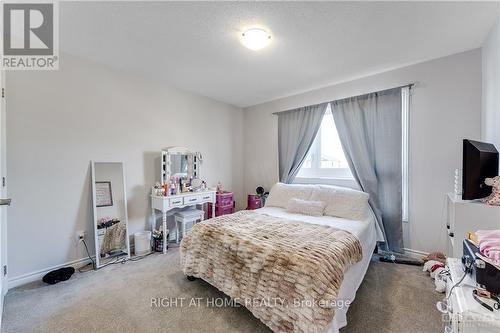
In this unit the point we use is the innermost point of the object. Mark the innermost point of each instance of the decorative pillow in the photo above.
(342, 202)
(305, 207)
(280, 194)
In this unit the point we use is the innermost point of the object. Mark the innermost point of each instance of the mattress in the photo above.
(367, 233)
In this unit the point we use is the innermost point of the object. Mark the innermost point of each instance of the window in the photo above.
(326, 162)
(326, 158)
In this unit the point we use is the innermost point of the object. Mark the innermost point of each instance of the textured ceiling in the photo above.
(195, 45)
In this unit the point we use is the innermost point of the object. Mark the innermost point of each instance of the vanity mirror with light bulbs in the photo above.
(179, 163)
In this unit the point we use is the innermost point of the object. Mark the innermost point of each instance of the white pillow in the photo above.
(281, 193)
(342, 202)
(305, 207)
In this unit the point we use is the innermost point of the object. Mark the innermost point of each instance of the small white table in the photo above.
(166, 204)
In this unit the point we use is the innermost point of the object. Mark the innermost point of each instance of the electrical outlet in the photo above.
(80, 235)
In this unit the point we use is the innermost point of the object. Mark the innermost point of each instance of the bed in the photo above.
(356, 231)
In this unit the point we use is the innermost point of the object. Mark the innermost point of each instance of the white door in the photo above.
(4, 202)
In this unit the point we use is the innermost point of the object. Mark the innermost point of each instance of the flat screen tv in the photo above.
(480, 161)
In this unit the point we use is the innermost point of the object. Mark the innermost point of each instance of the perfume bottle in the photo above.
(177, 187)
(166, 189)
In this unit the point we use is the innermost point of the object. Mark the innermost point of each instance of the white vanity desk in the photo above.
(168, 203)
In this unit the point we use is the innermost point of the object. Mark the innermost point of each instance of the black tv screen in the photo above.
(480, 161)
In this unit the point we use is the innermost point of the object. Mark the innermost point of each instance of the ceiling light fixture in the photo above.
(255, 38)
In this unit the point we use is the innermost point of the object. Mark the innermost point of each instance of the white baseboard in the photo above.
(37, 275)
(415, 253)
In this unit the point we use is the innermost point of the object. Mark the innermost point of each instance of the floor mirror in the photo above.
(109, 199)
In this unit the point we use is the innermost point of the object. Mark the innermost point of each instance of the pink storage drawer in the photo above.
(224, 210)
(220, 210)
(254, 202)
(224, 199)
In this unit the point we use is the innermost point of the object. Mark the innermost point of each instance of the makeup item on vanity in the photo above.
(165, 189)
(177, 186)
(196, 184)
(219, 187)
(157, 189)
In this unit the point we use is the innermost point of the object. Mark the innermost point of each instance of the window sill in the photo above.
(345, 182)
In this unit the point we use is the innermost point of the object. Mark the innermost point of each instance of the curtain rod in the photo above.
(409, 85)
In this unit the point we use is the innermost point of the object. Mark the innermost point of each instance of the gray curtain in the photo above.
(370, 130)
(296, 132)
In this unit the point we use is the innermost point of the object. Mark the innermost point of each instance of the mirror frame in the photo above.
(194, 162)
(94, 209)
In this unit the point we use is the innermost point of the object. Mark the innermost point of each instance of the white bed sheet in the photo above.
(367, 233)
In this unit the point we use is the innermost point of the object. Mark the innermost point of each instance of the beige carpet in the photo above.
(393, 298)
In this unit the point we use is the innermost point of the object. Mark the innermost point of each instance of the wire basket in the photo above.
(158, 243)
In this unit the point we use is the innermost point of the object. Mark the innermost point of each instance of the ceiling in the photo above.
(195, 45)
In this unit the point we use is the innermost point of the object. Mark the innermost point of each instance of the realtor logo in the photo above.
(29, 36)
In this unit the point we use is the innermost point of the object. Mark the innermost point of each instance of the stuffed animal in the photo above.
(494, 198)
(440, 279)
(437, 270)
(438, 256)
(431, 266)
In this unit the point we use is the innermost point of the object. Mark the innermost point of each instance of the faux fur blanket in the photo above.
(114, 238)
(287, 273)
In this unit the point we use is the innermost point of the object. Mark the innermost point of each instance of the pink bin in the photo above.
(254, 202)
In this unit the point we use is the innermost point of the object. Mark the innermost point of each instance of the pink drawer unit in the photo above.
(224, 210)
(220, 210)
(254, 202)
(224, 199)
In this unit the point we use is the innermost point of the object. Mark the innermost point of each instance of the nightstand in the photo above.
(464, 216)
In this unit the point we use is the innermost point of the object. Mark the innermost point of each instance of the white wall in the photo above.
(445, 108)
(490, 130)
(60, 120)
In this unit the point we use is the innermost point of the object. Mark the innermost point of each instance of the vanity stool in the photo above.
(184, 217)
